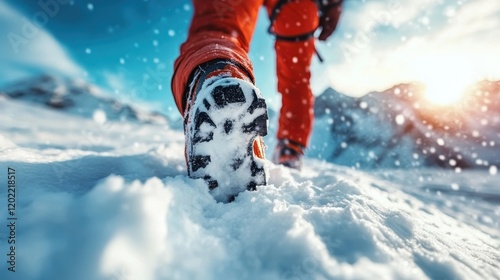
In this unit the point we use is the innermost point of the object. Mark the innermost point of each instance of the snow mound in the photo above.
(112, 201)
(305, 229)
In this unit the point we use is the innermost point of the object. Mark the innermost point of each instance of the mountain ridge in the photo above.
(78, 97)
(410, 131)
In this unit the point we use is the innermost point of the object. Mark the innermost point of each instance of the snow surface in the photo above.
(111, 200)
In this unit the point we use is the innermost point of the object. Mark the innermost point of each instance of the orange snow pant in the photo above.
(222, 29)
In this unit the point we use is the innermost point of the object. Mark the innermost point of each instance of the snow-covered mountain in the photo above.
(398, 128)
(109, 198)
(75, 96)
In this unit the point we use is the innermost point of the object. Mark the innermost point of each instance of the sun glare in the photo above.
(445, 91)
(445, 79)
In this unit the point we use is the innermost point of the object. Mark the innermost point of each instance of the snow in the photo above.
(75, 96)
(102, 191)
(101, 198)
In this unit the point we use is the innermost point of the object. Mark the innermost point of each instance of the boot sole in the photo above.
(229, 114)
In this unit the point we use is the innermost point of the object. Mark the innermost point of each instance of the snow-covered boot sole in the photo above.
(227, 116)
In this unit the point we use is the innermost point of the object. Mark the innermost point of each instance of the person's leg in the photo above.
(225, 116)
(293, 59)
(220, 29)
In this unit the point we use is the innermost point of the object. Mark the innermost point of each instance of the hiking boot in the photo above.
(289, 154)
(224, 122)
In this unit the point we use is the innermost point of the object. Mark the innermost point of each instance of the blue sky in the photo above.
(128, 47)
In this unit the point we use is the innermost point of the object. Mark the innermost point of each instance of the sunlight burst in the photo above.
(445, 78)
(445, 92)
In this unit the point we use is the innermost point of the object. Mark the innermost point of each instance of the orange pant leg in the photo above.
(293, 60)
(220, 29)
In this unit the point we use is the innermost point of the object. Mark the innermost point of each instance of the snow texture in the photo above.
(111, 200)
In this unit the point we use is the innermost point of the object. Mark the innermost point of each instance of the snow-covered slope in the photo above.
(398, 128)
(111, 200)
(75, 96)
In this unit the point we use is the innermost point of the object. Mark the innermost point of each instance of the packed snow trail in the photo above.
(111, 200)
